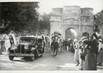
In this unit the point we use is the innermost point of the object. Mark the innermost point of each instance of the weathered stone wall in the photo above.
(87, 20)
(56, 20)
(71, 18)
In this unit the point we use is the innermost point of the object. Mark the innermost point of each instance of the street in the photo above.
(63, 61)
(71, 30)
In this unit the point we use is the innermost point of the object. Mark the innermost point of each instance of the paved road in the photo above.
(63, 62)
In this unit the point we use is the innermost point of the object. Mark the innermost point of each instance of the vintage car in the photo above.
(28, 47)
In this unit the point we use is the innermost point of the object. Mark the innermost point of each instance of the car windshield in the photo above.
(27, 40)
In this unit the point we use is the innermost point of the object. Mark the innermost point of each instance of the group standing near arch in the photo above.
(88, 51)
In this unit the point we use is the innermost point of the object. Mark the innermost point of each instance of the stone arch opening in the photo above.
(70, 33)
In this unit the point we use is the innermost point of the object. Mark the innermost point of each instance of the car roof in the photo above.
(38, 37)
(27, 36)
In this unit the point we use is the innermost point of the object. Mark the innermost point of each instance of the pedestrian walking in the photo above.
(83, 49)
(7, 43)
(91, 53)
(76, 53)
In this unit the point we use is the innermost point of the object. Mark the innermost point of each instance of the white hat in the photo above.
(100, 40)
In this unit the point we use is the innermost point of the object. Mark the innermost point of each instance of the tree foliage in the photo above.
(20, 15)
(98, 20)
(44, 22)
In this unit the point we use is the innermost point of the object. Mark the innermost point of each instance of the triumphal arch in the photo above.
(71, 17)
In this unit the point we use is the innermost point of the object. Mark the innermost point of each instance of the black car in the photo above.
(29, 46)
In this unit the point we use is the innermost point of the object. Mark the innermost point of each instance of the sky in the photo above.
(47, 5)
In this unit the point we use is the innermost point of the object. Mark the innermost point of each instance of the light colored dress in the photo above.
(76, 54)
(7, 42)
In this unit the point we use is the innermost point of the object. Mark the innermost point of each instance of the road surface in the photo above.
(63, 62)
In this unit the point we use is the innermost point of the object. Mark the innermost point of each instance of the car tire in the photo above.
(11, 58)
(42, 50)
(33, 57)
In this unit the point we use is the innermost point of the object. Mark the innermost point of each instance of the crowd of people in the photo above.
(6, 41)
(88, 51)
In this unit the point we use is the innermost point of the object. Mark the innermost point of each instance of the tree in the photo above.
(20, 15)
(44, 22)
(98, 20)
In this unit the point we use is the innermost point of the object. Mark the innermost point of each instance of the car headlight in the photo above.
(33, 48)
(26, 47)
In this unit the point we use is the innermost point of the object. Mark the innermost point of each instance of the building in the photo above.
(73, 18)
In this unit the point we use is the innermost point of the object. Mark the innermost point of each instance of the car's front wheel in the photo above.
(34, 57)
(11, 58)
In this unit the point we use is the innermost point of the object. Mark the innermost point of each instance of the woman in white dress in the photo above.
(76, 54)
(7, 42)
